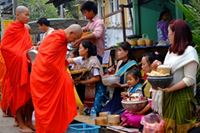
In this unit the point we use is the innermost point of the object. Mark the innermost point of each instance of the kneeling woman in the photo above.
(89, 60)
(124, 64)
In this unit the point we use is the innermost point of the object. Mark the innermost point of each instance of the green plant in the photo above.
(192, 16)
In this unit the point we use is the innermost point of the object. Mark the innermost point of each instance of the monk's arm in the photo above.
(70, 61)
(91, 80)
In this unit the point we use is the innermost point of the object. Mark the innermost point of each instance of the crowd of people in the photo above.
(46, 87)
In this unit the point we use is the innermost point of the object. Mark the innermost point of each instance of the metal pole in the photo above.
(14, 3)
(123, 23)
(61, 11)
(1, 16)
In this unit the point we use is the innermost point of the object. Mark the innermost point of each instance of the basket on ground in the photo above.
(83, 128)
(109, 80)
(160, 81)
(134, 106)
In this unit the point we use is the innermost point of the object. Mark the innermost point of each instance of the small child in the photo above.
(133, 119)
(134, 83)
(135, 86)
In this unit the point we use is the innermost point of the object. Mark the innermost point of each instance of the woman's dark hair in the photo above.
(92, 50)
(89, 6)
(182, 36)
(152, 56)
(44, 21)
(126, 47)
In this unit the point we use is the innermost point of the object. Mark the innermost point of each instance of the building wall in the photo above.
(109, 6)
(148, 14)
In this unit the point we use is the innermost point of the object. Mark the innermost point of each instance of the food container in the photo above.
(113, 120)
(132, 42)
(160, 81)
(104, 114)
(109, 80)
(141, 42)
(83, 128)
(101, 121)
(134, 106)
(79, 73)
(132, 39)
(148, 42)
(32, 53)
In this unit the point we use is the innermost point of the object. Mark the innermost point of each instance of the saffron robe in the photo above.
(2, 70)
(52, 87)
(16, 84)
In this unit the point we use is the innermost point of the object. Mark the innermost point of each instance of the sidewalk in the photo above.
(6, 124)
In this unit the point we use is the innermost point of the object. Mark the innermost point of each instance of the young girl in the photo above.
(135, 86)
(133, 119)
(133, 78)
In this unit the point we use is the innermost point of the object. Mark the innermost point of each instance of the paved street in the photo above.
(6, 125)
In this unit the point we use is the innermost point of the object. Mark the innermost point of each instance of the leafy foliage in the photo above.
(192, 15)
(38, 8)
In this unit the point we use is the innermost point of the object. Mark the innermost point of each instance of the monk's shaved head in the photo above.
(73, 32)
(76, 29)
(21, 9)
(22, 14)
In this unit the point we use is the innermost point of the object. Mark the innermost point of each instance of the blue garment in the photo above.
(100, 97)
(125, 67)
(136, 88)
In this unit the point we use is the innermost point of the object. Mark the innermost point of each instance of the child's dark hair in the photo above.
(152, 56)
(44, 21)
(89, 6)
(92, 50)
(126, 46)
(135, 72)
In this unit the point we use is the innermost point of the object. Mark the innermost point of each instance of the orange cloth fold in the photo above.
(16, 86)
(51, 87)
(2, 70)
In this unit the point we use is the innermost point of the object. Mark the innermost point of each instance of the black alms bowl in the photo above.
(160, 81)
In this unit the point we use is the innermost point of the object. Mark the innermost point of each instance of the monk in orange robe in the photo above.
(2, 73)
(2, 70)
(16, 84)
(52, 87)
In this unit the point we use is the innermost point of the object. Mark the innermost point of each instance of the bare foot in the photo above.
(30, 125)
(6, 115)
(16, 125)
(25, 129)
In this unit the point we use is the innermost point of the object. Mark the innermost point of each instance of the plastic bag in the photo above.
(153, 123)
